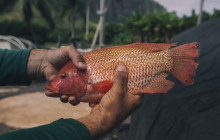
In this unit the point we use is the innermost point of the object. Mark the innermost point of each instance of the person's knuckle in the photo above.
(68, 48)
(79, 57)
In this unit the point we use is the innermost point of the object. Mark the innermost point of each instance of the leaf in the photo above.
(6, 5)
(44, 10)
(27, 11)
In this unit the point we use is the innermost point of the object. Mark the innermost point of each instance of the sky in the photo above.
(184, 7)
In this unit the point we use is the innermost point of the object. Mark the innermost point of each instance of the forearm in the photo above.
(35, 64)
(94, 125)
(63, 129)
(13, 67)
(113, 108)
(100, 123)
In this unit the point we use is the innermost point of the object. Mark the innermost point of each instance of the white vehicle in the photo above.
(11, 42)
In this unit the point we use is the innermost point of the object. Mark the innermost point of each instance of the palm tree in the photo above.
(7, 5)
(87, 17)
(100, 27)
(41, 5)
(43, 8)
(72, 8)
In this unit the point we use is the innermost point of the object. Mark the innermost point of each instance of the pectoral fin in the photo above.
(102, 87)
(158, 85)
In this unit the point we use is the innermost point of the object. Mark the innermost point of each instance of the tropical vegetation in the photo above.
(64, 20)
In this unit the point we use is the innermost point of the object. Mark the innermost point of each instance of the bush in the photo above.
(152, 27)
(21, 29)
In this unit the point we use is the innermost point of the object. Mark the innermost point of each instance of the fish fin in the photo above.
(185, 62)
(158, 85)
(153, 47)
(102, 87)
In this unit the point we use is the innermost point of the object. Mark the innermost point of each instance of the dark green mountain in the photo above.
(123, 8)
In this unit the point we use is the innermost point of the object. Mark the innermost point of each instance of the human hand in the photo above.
(113, 108)
(47, 63)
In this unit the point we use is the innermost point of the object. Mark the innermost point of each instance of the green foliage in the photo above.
(140, 26)
(70, 6)
(6, 5)
(42, 6)
(20, 29)
(152, 27)
(118, 34)
(27, 11)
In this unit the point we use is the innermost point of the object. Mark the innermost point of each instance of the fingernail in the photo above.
(81, 64)
(121, 68)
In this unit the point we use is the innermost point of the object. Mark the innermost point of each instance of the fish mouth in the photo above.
(51, 91)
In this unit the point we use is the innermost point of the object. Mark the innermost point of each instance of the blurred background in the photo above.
(93, 24)
(99, 23)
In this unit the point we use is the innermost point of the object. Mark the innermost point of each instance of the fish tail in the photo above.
(185, 62)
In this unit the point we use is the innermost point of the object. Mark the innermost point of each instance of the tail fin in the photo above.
(185, 62)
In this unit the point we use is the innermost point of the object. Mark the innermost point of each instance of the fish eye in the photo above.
(63, 75)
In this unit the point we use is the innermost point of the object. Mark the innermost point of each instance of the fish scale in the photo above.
(135, 64)
(148, 65)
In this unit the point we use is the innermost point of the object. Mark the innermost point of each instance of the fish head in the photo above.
(60, 83)
(71, 82)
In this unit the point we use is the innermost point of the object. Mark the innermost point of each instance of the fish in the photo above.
(148, 65)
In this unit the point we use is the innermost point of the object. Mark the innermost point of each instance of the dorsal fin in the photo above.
(151, 47)
(154, 46)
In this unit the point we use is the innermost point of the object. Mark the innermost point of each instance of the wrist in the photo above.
(35, 64)
(95, 124)
(100, 122)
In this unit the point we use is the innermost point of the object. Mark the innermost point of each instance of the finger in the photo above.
(64, 98)
(50, 73)
(73, 101)
(75, 57)
(92, 104)
(51, 94)
(120, 81)
(134, 100)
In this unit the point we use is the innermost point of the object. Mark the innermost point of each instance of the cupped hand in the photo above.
(114, 107)
(47, 63)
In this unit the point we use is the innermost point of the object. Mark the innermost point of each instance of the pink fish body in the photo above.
(148, 65)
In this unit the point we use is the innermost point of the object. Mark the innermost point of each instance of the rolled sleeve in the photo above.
(62, 129)
(13, 67)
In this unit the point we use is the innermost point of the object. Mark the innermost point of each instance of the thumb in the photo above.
(120, 82)
(75, 57)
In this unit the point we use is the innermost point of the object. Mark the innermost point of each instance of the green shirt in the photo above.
(13, 66)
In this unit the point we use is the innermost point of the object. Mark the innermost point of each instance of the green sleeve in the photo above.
(62, 129)
(13, 67)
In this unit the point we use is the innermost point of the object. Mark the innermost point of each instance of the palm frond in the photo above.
(69, 5)
(44, 10)
(27, 11)
(7, 5)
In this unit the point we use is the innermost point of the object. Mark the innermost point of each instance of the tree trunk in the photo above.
(95, 36)
(102, 22)
(199, 20)
(98, 26)
(32, 32)
(73, 39)
(87, 18)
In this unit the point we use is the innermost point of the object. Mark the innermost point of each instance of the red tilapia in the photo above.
(148, 65)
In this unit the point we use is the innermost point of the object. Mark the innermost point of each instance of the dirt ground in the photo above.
(27, 106)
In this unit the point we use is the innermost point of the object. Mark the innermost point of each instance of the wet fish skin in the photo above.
(148, 65)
